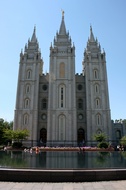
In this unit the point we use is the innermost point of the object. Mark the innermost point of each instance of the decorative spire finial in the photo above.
(62, 30)
(91, 35)
(90, 28)
(62, 13)
(35, 29)
(34, 39)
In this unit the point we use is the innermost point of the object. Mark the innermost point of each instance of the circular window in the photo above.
(80, 87)
(99, 132)
(44, 87)
(80, 116)
(43, 116)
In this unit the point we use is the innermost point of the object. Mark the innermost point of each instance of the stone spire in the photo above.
(33, 43)
(62, 30)
(91, 39)
(34, 39)
(32, 46)
(92, 44)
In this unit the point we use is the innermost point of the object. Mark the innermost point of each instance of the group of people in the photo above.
(37, 150)
(120, 148)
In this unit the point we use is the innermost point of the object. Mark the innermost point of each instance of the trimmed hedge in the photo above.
(103, 145)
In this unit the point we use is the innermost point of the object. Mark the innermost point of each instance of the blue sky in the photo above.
(108, 20)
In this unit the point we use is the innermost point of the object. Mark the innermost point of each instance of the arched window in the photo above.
(80, 104)
(62, 96)
(96, 88)
(26, 103)
(25, 119)
(97, 103)
(27, 89)
(43, 104)
(95, 74)
(62, 70)
(29, 74)
(98, 119)
(118, 134)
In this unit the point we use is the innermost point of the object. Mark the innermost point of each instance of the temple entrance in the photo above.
(81, 137)
(43, 136)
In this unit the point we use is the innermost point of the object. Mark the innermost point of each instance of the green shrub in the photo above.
(103, 145)
(17, 145)
(1, 147)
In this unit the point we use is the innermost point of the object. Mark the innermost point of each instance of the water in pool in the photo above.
(62, 160)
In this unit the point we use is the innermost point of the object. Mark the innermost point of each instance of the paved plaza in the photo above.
(104, 185)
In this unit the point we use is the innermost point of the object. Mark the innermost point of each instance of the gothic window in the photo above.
(98, 119)
(43, 104)
(95, 74)
(62, 96)
(26, 103)
(29, 74)
(96, 88)
(118, 134)
(80, 104)
(27, 89)
(97, 103)
(25, 119)
(62, 70)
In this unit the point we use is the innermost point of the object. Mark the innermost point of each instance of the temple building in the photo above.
(61, 106)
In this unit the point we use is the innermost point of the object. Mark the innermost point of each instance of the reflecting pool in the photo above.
(62, 160)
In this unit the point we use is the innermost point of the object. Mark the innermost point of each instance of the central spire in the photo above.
(92, 39)
(34, 39)
(62, 30)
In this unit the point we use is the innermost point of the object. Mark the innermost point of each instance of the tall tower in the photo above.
(61, 100)
(30, 69)
(97, 97)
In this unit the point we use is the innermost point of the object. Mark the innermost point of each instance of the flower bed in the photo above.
(73, 149)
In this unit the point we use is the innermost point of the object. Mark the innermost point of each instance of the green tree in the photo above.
(4, 125)
(21, 134)
(123, 141)
(124, 120)
(101, 139)
(120, 121)
(17, 136)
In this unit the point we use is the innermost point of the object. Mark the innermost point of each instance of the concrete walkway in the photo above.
(104, 185)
